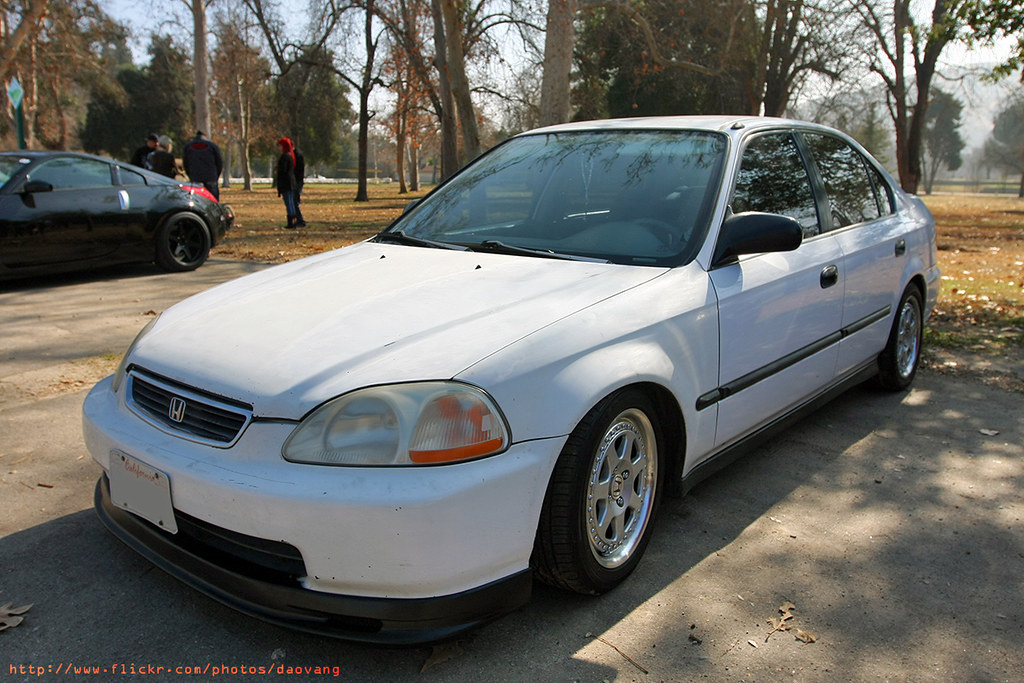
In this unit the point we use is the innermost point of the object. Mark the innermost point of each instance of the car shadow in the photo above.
(861, 516)
(126, 271)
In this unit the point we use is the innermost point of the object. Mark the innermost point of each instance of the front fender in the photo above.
(664, 332)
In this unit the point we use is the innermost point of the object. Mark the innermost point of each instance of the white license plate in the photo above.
(142, 490)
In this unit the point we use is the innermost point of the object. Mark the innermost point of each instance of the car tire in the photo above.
(598, 510)
(898, 362)
(182, 242)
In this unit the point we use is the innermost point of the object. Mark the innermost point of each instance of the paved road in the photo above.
(892, 524)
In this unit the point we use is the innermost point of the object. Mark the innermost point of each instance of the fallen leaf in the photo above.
(805, 636)
(11, 616)
(441, 653)
(751, 643)
(989, 432)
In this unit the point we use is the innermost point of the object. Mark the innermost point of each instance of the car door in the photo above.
(779, 313)
(72, 221)
(862, 218)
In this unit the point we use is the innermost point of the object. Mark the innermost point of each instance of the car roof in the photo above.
(732, 125)
(36, 155)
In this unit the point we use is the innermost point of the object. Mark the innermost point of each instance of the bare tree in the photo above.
(902, 45)
(200, 63)
(240, 77)
(32, 13)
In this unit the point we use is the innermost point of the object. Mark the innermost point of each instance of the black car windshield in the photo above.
(636, 197)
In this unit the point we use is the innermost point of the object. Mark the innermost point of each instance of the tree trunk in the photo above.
(400, 155)
(449, 144)
(459, 82)
(559, 38)
(200, 67)
(10, 48)
(243, 134)
(364, 104)
(414, 167)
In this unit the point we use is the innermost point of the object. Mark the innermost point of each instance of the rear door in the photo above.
(780, 313)
(862, 218)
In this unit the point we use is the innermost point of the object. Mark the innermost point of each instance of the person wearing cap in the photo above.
(203, 162)
(139, 157)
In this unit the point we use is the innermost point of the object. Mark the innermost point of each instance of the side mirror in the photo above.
(755, 233)
(34, 186)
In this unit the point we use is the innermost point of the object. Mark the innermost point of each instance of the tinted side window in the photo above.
(70, 173)
(851, 195)
(129, 177)
(773, 179)
(882, 192)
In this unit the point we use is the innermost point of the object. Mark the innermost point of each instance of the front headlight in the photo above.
(403, 424)
(122, 368)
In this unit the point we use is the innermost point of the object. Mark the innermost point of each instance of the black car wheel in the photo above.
(182, 243)
(898, 362)
(596, 519)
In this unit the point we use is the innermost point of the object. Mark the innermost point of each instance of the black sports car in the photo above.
(68, 211)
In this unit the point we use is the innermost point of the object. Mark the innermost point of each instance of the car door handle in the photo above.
(901, 247)
(829, 276)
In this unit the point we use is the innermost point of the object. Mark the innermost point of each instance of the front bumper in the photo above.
(397, 555)
(255, 592)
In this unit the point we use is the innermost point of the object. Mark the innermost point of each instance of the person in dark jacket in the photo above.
(140, 154)
(203, 162)
(300, 181)
(286, 182)
(161, 160)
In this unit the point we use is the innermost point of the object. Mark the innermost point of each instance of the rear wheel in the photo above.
(603, 494)
(182, 242)
(898, 362)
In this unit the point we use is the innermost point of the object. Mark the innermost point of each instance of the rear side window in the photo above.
(853, 196)
(773, 179)
(67, 173)
(129, 177)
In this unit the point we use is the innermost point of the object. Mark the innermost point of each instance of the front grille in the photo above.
(186, 412)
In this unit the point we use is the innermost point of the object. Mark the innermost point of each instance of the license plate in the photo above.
(142, 490)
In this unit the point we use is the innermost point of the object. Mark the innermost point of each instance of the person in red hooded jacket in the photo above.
(287, 185)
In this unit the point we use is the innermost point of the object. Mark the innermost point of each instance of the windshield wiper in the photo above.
(399, 237)
(498, 247)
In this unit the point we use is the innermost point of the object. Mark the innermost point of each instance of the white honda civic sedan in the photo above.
(388, 442)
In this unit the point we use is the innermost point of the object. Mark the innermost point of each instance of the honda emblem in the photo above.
(177, 410)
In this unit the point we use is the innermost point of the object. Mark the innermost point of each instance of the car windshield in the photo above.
(635, 197)
(9, 165)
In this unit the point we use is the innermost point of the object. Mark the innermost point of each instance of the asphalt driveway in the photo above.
(880, 538)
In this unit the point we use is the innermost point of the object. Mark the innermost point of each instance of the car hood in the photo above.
(291, 337)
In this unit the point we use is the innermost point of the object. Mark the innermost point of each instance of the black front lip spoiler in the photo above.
(389, 621)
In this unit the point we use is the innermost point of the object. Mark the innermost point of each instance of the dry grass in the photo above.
(333, 217)
(981, 251)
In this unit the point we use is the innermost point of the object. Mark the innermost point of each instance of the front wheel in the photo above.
(182, 242)
(596, 519)
(898, 362)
